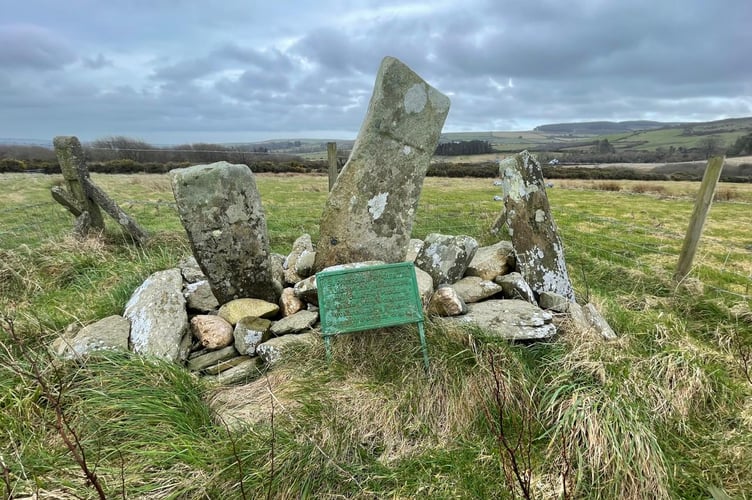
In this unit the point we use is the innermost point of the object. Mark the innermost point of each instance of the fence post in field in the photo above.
(697, 221)
(331, 153)
(70, 156)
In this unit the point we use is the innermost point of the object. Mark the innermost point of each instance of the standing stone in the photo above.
(157, 314)
(221, 211)
(370, 211)
(445, 257)
(537, 246)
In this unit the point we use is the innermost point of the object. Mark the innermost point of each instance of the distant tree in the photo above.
(710, 145)
(604, 147)
(742, 146)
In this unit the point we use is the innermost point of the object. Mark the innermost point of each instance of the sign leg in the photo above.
(423, 345)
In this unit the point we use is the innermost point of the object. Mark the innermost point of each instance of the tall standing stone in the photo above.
(221, 211)
(370, 211)
(537, 246)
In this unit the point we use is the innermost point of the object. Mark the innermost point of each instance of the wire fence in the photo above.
(723, 265)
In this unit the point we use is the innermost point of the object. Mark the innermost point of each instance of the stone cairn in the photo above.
(235, 308)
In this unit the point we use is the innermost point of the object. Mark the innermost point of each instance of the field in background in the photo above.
(662, 412)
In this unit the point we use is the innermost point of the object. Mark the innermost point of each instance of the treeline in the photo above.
(457, 148)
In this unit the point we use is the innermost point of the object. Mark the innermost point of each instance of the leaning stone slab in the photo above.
(510, 319)
(273, 350)
(474, 289)
(492, 261)
(446, 257)
(296, 323)
(221, 211)
(598, 323)
(537, 246)
(371, 209)
(237, 309)
(157, 314)
(110, 333)
(514, 286)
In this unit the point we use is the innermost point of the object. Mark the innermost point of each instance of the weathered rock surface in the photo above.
(274, 350)
(370, 211)
(249, 333)
(223, 366)
(510, 319)
(492, 261)
(221, 211)
(597, 322)
(553, 302)
(110, 333)
(446, 302)
(413, 248)
(298, 322)
(190, 270)
(514, 286)
(212, 332)
(157, 314)
(278, 271)
(199, 297)
(237, 309)
(305, 264)
(289, 304)
(425, 285)
(301, 246)
(446, 257)
(537, 246)
(204, 359)
(474, 289)
(247, 370)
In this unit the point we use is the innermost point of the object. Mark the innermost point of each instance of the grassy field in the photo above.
(665, 411)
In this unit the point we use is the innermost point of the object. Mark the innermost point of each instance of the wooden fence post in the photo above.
(331, 152)
(696, 223)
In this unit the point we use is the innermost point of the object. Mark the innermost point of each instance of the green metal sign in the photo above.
(364, 298)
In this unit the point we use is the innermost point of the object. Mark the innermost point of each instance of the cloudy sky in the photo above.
(173, 71)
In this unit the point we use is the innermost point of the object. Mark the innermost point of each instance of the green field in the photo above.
(665, 411)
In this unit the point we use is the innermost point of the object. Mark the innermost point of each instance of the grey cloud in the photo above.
(34, 47)
(97, 62)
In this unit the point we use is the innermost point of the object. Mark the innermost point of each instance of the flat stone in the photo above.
(223, 366)
(273, 350)
(492, 261)
(371, 208)
(199, 297)
(553, 302)
(537, 245)
(202, 361)
(509, 319)
(514, 286)
(298, 322)
(212, 332)
(157, 314)
(248, 370)
(220, 208)
(474, 289)
(249, 333)
(446, 257)
(110, 333)
(446, 302)
(236, 309)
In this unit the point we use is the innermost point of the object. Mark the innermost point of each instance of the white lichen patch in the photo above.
(415, 98)
(407, 150)
(513, 184)
(377, 204)
(540, 216)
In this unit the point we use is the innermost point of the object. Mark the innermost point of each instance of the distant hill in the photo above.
(602, 128)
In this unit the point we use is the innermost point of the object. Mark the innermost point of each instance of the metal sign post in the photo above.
(364, 298)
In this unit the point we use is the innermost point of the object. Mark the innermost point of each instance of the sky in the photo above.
(180, 71)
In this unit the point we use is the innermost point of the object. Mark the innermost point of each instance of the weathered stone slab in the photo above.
(370, 211)
(413, 248)
(248, 369)
(514, 286)
(474, 289)
(157, 314)
(492, 261)
(223, 366)
(301, 246)
(110, 333)
(446, 257)
(553, 302)
(298, 322)
(249, 333)
(273, 350)
(510, 319)
(190, 270)
(425, 285)
(537, 246)
(598, 323)
(198, 296)
(221, 211)
(208, 358)
(237, 309)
